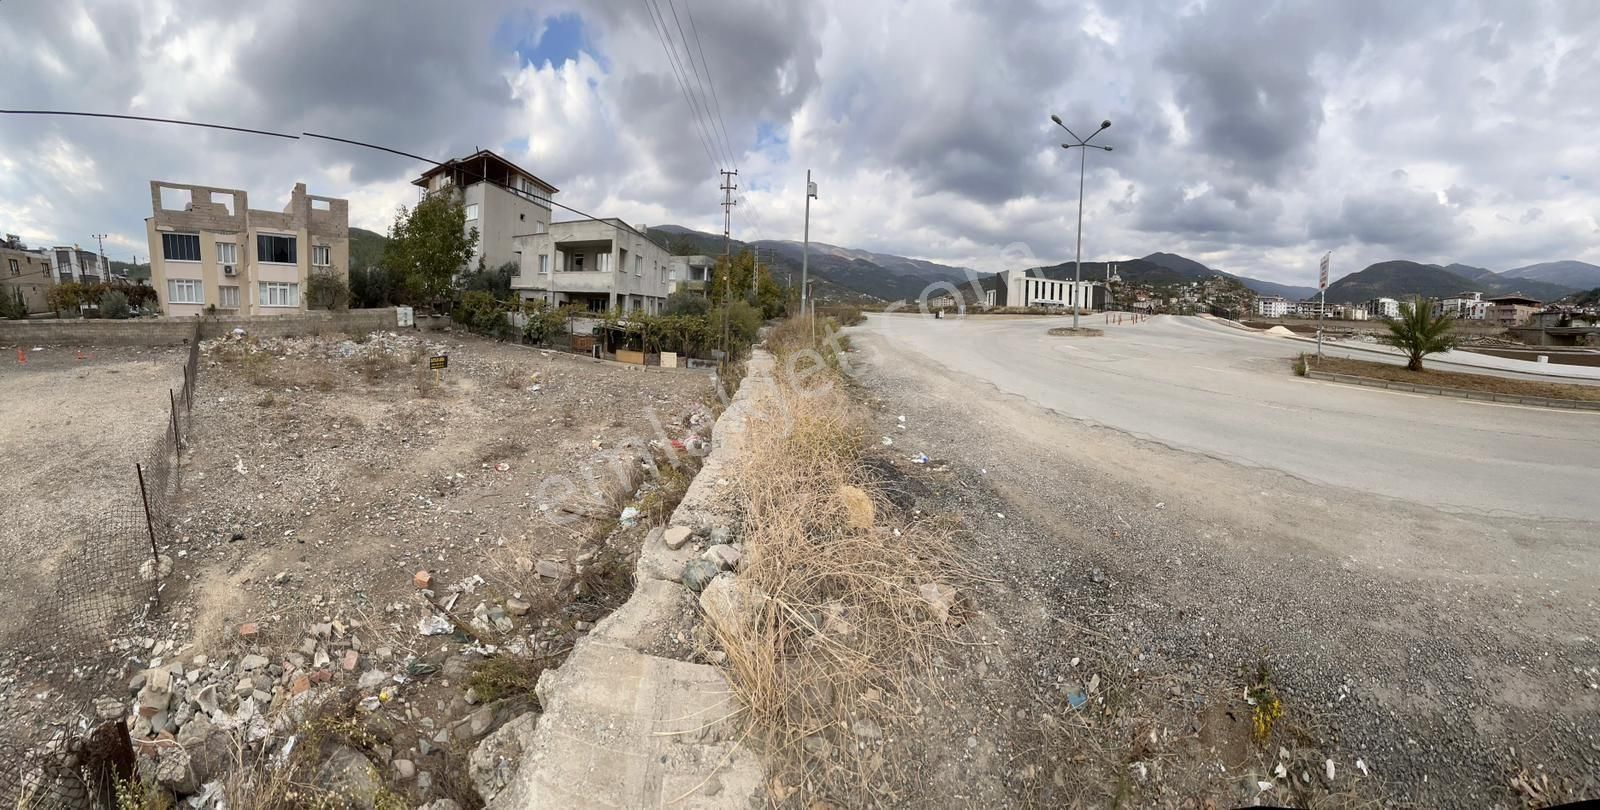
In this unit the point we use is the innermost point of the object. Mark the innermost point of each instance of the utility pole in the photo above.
(728, 187)
(805, 250)
(105, 269)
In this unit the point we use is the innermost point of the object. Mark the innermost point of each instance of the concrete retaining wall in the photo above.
(172, 331)
(623, 726)
(1459, 393)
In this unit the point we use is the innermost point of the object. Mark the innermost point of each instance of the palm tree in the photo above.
(1418, 332)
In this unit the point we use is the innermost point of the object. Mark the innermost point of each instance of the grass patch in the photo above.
(1450, 379)
(838, 641)
(1081, 331)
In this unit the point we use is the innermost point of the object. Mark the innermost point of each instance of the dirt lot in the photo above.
(1149, 627)
(71, 432)
(1450, 379)
(368, 557)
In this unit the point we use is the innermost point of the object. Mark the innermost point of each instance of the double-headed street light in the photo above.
(1082, 143)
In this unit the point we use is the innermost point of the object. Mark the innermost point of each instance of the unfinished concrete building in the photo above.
(210, 249)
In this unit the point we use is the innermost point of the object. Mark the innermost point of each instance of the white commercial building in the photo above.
(1383, 308)
(1467, 306)
(1023, 290)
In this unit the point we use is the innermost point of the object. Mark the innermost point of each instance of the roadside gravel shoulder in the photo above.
(1138, 607)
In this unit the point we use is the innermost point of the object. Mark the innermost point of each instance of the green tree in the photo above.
(737, 275)
(67, 295)
(686, 302)
(372, 287)
(327, 291)
(1418, 332)
(428, 246)
(496, 282)
(13, 306)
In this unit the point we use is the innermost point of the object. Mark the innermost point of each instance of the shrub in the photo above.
(13, 306)
(1418, 332)
(114, 304)
(327, 291)
(480, 312)
(686, 302)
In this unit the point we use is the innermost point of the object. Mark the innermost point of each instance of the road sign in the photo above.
(439, 361)
(1322, 284)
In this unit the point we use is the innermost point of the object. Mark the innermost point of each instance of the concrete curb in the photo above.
(1458, 393)
(623, 727)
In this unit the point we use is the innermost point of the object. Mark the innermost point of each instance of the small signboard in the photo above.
(1322, 283)
(439, 361)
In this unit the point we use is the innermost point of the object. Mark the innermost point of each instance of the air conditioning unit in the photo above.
(228, 270)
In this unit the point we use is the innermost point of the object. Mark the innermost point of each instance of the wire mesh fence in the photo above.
(62, 749)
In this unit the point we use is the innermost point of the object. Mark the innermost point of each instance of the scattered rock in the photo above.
(518, 607)
(866, 729)
(697, 574)
(174, 773)
(676, 536)
(493, 762)
(404, 769)
(551, 569)
(206, 699)
(423, 580)
(349, 773)
(251, 663)
(249, 631)
(725, 556)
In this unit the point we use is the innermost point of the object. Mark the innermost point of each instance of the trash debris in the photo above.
(1328, 766)
(434, 625)
(502, 467)
(629, 517)
(1362, 766)
(887, 441)
(920, 458)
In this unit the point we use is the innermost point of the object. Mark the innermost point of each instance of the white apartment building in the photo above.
(209, 248)
(1467, 306)
(602, 264)
(1272, 306)
(1022, 290)
(502, 200)
(1382, 308)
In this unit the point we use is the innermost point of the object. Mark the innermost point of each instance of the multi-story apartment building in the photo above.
(1467, 306)
(691, 273)
(1512, 310)
(209, 248)
(502, 200)
(1382, 308)
(27, 271)
(73, 263)
(1272, 306)
(602, 264)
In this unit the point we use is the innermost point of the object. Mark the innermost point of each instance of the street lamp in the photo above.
(1082, 143)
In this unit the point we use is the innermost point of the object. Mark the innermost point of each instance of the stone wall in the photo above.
(165, 332)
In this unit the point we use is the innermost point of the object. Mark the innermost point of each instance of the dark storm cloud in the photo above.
(1408, 221)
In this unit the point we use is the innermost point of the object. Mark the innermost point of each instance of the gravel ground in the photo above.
(1136, 608)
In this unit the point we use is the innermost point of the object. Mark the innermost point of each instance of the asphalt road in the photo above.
(1202, 387)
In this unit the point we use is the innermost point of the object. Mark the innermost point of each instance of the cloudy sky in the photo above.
(1251, 135)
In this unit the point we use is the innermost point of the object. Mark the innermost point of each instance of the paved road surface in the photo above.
(1208, 388)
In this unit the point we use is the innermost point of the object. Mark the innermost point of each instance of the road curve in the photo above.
(1207, 388)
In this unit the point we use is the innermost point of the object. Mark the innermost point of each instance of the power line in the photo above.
(683, 85)
(722, 122)
(148, 118)
(727, 152)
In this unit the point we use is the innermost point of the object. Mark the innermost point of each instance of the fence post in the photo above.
(188, 397)
(150, 526)
(173, 400)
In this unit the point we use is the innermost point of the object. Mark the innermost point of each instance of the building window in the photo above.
(185, 291)
(544, 263)
(227, 253)
(638, 265)
(280, 294)
(180, 247)
(228, 297)
(472, 212)
(15, 270)
(275, 249)
(577, 262)
(321, 255)
(597, 305)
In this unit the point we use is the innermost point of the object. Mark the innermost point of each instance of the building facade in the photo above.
(1272, 306)
(209, 249)
(1022, 290)
(1512, 310)
(502, 201)
(25, 271)
(601, 264)
(73, 263)
(1382, 308)
(1467, 306)
(690, 273)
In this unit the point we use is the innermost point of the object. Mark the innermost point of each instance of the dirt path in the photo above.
(1139, 609)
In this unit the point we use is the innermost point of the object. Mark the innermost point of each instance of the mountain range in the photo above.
(1405, 279)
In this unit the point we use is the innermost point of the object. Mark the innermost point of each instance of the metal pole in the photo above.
(1322, 310)
(150, 526)
(805, 248)
(173, 400)
(1077, 271)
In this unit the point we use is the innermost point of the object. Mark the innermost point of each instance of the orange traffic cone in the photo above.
(80, 354)
(22, 359)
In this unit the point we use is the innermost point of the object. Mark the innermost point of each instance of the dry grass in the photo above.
(1450, 379)
(836, 641)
